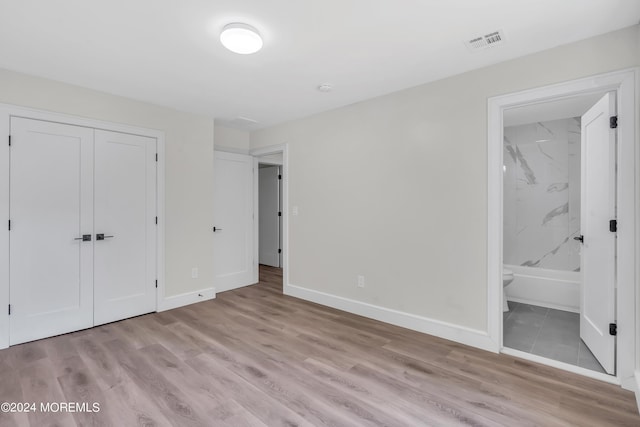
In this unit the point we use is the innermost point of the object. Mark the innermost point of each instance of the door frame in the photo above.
(257, 153)
(6, 112)
(625, 84)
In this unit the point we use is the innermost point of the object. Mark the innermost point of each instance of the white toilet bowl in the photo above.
(507, 277)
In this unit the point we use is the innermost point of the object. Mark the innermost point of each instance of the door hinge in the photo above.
(613, 329)
(613, 122)
(9, 225)
(9, 309)
(613, 225)
(9, 140)
(279, 251)
(156, 283)
(156, 157)
(279, 213)
(279, 176)
(156, 220)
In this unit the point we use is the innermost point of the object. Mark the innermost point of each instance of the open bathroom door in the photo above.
(598, 207)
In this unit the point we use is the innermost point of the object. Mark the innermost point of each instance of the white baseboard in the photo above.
(545, 288)
(225, 288)
(457, 333)
(545, 304)
(187, 298)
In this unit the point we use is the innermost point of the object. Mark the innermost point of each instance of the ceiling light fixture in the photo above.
(241, 38)
(325, 87)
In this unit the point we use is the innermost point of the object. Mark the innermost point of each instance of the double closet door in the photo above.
(82, 239)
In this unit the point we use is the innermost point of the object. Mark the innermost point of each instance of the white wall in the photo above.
(395, 188)
(230, 139)
(189, 165)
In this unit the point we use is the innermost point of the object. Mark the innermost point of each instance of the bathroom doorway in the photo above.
(547, 146)
(552, 222)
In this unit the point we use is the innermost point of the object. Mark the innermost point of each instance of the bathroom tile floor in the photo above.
(554, 334)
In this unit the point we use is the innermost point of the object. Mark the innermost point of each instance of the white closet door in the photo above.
(51, 208)
(233, 262)
(125, 211)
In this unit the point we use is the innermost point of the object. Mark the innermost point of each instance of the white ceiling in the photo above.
(167, 52)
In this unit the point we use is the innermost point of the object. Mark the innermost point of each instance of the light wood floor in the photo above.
(255, 357)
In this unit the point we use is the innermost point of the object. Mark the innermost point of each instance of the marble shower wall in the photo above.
(542, 194)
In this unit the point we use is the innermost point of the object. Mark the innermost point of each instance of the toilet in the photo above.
(507, 277)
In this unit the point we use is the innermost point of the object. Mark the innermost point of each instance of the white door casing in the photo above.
(598, 199)
(72, 179)
(276, 155)
(269, 207)
(281, 217)
(51, 206)
(624, 83)
(7, 114)
(125, 210)
(233, 221)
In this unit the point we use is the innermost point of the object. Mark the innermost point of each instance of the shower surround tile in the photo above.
(542, 194)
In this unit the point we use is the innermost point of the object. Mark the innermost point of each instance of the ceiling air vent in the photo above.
(488, 40)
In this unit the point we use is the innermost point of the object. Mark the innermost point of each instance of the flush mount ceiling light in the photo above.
(241, 38)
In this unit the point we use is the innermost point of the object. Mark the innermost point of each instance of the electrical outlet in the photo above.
(294, 211)
(361, 281)
(194, 273)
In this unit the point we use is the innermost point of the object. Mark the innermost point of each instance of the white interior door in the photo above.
(125, 211)
(233, 221)
(51, 208)
(269, 221)
(597, 308)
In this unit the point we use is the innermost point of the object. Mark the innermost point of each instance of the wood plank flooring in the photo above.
(253, 357)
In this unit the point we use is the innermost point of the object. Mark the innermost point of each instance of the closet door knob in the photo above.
(216, 229)
(102, 237)
(84, 238)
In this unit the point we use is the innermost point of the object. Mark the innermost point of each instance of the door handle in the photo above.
(580, 238)
(84, 238)
(102, 237)
(216, 229)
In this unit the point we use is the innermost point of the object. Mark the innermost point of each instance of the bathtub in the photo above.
(546, 288)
